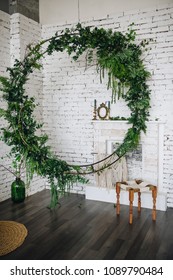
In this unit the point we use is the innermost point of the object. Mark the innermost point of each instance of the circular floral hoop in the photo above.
(118, 56)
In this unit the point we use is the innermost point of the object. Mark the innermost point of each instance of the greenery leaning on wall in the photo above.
(118, 57)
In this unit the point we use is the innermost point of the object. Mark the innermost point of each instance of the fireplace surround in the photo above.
(145, 163)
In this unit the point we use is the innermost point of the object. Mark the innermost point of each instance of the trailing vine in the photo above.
(118, 57)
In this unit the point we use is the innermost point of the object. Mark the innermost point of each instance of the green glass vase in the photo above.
(18, 190)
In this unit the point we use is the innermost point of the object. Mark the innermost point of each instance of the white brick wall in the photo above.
(66, 101)
(17, 32)
(69, 89)
(5, 178)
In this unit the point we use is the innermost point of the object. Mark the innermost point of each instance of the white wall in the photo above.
(16, 32)
(69, 89)
(5, 178)
(68, 11)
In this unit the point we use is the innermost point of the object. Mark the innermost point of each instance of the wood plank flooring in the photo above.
(88, 230)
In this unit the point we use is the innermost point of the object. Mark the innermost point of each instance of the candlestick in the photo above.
(95, 110)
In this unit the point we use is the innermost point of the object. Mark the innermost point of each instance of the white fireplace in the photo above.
(145, 163)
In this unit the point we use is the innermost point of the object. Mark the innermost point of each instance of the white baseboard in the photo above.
(102, 194)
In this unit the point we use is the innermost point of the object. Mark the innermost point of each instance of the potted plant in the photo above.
(18, 190)
(18, 185)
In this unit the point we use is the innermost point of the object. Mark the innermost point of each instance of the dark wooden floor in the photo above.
(83, 229)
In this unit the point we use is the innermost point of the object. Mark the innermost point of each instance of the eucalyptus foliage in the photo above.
(118, 57)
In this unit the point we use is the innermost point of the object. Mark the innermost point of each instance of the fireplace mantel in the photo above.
(124, 121)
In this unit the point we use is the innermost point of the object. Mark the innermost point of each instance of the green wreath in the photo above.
(118, 56)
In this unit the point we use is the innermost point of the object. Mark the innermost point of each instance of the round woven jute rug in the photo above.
(12, 235)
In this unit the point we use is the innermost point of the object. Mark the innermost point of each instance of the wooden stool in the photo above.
(136, 186)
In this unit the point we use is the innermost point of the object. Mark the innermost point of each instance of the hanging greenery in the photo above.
(118, 58)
